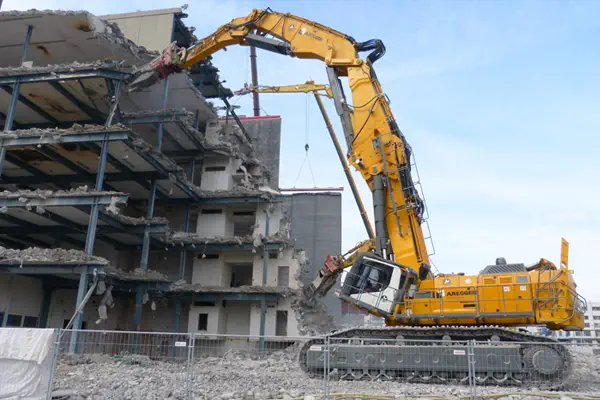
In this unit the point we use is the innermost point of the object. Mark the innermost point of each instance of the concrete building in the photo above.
(152, 193)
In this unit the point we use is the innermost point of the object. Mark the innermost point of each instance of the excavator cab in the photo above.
(376, 284)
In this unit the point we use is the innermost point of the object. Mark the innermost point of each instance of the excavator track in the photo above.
(440, 354)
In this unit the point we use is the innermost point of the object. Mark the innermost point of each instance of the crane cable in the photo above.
(306, 145)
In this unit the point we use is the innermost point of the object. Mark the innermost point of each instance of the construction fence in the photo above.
(139, 365)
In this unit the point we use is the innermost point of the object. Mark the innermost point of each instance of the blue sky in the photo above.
(499, 100)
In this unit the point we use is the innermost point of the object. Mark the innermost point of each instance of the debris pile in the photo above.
(246, 375)
(35, 255)
(312, 316)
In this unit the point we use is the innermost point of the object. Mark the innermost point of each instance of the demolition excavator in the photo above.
(430, 317)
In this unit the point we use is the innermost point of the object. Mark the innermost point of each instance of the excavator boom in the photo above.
(389, 274)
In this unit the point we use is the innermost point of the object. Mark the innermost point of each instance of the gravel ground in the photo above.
(246, 377)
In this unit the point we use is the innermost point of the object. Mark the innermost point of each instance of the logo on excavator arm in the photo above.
(304, 31)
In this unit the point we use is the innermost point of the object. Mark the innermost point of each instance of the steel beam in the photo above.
(27, 228)
(92, 224)
(158, 166)
(32, 170)
(48, 269)
(9, 140)
(124, 169)
(75, 229)
(12, 244)
(159, 129)
(79, 170)
(186, 223)
(172, 116)
(213, 247)
(60, 201)
(65, 180)
(31, 241)
(236, 296)
(26, 44)
(239, 200)
(31, 105)
(45, 306)
(146, 239)
(90, 111)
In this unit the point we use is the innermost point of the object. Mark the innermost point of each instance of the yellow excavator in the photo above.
(429, 316)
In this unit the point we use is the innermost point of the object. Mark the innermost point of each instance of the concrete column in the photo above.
(263, 302)
(12, 106)
(45, 307)
(93, 222)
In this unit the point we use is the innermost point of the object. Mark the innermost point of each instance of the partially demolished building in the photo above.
(169, 213)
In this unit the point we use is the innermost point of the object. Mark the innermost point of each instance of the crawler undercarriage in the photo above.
(440, 354)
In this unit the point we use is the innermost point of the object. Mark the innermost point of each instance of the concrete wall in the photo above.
(20, 295)
(275, 216)
(238, 317)
(266, 140)
(316, 225)
(242, 318)
(221, 179)
(151, 29)
(208, 271)
(62, 306)
(284, 258)
(270, 318)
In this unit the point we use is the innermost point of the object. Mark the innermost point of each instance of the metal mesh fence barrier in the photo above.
(139, 365)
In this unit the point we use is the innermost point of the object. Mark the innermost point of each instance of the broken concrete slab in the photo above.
(136, 275)
(35, 255)
(183, 238)
(60, 36)
(76, 134)
(183, 286)
(46, 194)
(166, 115)
(57, 69)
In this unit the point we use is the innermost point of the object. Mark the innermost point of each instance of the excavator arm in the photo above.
(307, 87)
(376, 146)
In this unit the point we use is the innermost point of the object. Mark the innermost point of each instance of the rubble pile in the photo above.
(312, 316)
(37, 255)
(239, 375)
